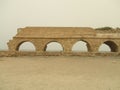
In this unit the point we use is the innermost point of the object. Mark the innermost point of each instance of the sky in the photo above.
(63, 13)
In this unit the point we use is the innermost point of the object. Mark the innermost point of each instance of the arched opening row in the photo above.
(80, 46)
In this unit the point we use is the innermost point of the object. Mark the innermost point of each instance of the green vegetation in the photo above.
(104, 28)
(108, 29)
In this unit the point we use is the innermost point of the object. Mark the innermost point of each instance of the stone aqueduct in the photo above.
(67, 37)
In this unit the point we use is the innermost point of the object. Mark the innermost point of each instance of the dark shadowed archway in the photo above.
(108, 46)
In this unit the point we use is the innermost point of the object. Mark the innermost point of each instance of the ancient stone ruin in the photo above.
(40, 37)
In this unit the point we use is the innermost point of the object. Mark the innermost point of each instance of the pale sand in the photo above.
(59, 73)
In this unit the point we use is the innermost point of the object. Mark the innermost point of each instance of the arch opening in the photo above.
(108, 46)
(81, 46)
(26, 46)
(53, 47)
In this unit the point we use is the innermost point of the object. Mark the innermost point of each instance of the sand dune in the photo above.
(59, 73)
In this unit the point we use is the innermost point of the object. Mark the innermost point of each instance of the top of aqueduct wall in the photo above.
(65, 32)
(54, 32)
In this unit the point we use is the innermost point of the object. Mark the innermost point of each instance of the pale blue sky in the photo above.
(81, 13)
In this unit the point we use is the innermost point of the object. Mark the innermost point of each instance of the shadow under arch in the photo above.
(81, 46)
(54, 46)
(112, 46)
(25, 46)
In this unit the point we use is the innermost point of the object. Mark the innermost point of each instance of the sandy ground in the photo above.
(59, 73)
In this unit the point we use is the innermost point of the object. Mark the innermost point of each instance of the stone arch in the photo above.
(104, 48)
(53, 46)
(111, 44)
(81, 46)
(24, 44)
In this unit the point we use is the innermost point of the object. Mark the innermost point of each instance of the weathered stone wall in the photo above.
(40, 44)
(39, 39)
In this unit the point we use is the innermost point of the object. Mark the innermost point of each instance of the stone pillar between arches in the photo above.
(94, 46)
(67, 46)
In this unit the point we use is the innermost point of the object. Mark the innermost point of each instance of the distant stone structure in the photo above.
(67, 37)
